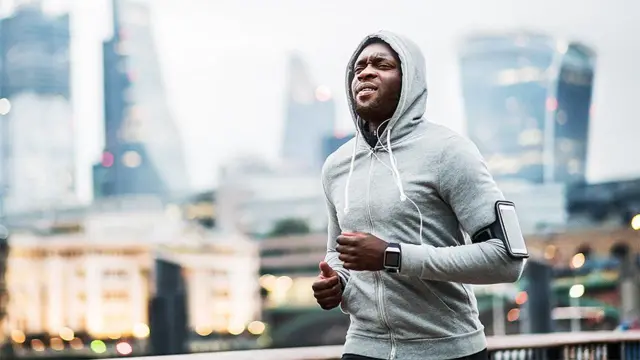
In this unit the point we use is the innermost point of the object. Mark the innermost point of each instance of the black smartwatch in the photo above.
(392, 257)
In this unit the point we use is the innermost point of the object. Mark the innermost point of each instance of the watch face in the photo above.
(392, 259)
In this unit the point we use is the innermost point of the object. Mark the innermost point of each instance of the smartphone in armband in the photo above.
(506, 228)
(511, 231)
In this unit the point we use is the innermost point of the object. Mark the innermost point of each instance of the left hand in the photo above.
(361, 251)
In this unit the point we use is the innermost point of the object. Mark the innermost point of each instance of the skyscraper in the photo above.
(38, 157)
(527, 100)
(332, 142)
(310, 116)
(143, 149)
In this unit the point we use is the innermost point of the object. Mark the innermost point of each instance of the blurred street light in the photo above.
(5, 106)
(76, 344)
(522, 298)
(268, 282)
(550, 252)
(236, 328)
(204, 330)
(513, 315)
(66, 334)
(141, 330)
(124, 348)
(98, 346)
(575, 292)
(578, 260)
(256, 327)
(18, 336)
(635, 222)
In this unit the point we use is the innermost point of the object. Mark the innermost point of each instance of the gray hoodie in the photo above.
(425, 187)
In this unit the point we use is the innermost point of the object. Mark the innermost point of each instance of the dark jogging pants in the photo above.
(482, 355)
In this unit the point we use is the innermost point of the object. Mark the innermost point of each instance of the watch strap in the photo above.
(393, 245)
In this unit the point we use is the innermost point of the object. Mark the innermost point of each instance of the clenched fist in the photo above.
(327, 289)
(361, 251)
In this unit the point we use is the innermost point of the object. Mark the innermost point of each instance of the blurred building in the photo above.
(331, 143)
(96, 275)
(38, 159)
(253, 196)
(527, 99)
(613, 204)
(288, 267)
(541, 207)
(310, 116)
(552, 209)
(594, 255)
(200, 208)
(222, 283)
(143, 148)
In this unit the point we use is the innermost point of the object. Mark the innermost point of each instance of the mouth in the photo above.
(366, 89)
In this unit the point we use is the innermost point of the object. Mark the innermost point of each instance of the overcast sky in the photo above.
(224, 62)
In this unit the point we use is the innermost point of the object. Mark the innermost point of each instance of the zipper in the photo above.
(383, 314)
(379, 285)
(369, 189)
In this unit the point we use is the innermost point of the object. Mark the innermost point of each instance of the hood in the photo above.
(411, 105)
(413, 97)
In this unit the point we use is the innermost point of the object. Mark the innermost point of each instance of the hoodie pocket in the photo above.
(344, 303)
(359, 301)
(421, 309)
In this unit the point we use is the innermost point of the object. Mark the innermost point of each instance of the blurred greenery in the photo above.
(291, 226)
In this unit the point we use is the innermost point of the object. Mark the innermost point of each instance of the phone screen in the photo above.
(393, 259)
(512, 231)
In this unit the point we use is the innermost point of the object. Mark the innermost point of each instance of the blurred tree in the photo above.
(290, 226)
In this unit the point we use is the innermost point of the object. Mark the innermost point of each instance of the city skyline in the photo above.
(193, 60)
(527, 102)
(38, 166)
(142, 154)
(309, 117)
(233, 268)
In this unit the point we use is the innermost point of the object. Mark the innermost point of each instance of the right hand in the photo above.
(327, 289)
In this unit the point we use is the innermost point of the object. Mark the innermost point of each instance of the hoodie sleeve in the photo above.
(465, 183)
(333, 231)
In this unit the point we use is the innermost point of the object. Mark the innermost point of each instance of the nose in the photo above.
(367, 73)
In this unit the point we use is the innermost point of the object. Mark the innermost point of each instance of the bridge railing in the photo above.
(567, 346)
(556, 346)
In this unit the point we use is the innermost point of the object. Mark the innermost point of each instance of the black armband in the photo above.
(506, 228)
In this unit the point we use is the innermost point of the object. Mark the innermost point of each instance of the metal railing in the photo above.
(567, 346)
(555, 346)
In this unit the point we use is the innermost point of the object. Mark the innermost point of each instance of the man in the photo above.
(402, 197)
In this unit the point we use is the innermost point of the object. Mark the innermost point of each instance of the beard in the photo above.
(379, 109)
(369, 111)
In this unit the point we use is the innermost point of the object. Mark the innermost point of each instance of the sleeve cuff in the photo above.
(412, 258)
(344, 278)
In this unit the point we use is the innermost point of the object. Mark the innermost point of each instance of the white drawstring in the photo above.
(394, 171)
(394, 167)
